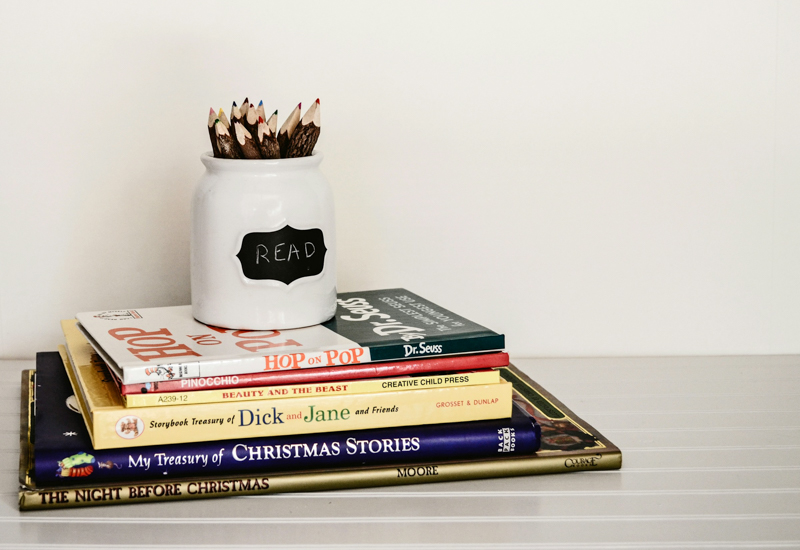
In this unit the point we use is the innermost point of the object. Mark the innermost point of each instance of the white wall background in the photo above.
(591, 178)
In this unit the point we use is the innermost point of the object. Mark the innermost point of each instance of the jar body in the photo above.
(263, 244)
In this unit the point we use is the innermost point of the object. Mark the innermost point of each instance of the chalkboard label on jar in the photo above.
(284, 255)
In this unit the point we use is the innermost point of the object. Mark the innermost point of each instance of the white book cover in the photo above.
(167, 343)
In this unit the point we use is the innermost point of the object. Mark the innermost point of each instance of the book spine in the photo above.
(128, 493)
(119, 427)
(310, 390)
(519, 435)
(323, 374)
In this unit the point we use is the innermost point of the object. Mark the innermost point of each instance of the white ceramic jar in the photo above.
(263, 244)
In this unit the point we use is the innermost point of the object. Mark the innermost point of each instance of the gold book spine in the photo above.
(45, 499)
(26, 417)
(346, 387)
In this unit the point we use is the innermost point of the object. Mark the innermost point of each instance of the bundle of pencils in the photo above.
(249, 134)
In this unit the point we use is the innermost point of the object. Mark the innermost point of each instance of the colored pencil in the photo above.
(251, 120)
(272, 122)
(305, 134)
(260, 110)
(212, 134)
(224, 119)
(226, 143)
(288, 129)
(267, 142)
(236, 116)
(247, 142)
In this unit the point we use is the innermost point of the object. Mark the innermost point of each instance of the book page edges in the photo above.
(99, 393)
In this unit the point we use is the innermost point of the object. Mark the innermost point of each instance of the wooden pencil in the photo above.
(305, 134)
(212, 134)
(236, 116)
(260, 110)
(288, 129)
(244, 107)
(272, 123)
(226, 143)
(267, 142)
(223, 119)
(247, 142)
(236, 113)
(251, 120)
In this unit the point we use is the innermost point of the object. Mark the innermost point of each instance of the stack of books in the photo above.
(151, 405)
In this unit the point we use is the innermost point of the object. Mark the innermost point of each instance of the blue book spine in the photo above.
(518, 435)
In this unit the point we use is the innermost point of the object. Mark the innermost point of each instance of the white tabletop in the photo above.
(711, 459)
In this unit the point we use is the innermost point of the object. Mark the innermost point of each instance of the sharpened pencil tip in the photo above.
(260, 120)
(211, 111)
(260, 103)
(317, 101)
(234, 104)
(276, 112)
(298, 105)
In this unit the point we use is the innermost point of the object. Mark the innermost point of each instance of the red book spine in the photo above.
(324, 374)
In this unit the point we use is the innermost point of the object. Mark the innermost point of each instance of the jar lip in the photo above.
(258, 165)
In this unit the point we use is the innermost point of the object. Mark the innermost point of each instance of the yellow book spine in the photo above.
(121, 427)
(45, 499)
(351, 387)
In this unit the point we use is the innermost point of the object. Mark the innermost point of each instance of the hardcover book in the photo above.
(112, 425)
(568, 444)
(343, 387)
(405, 367)
(167, 343)
(63, 453)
